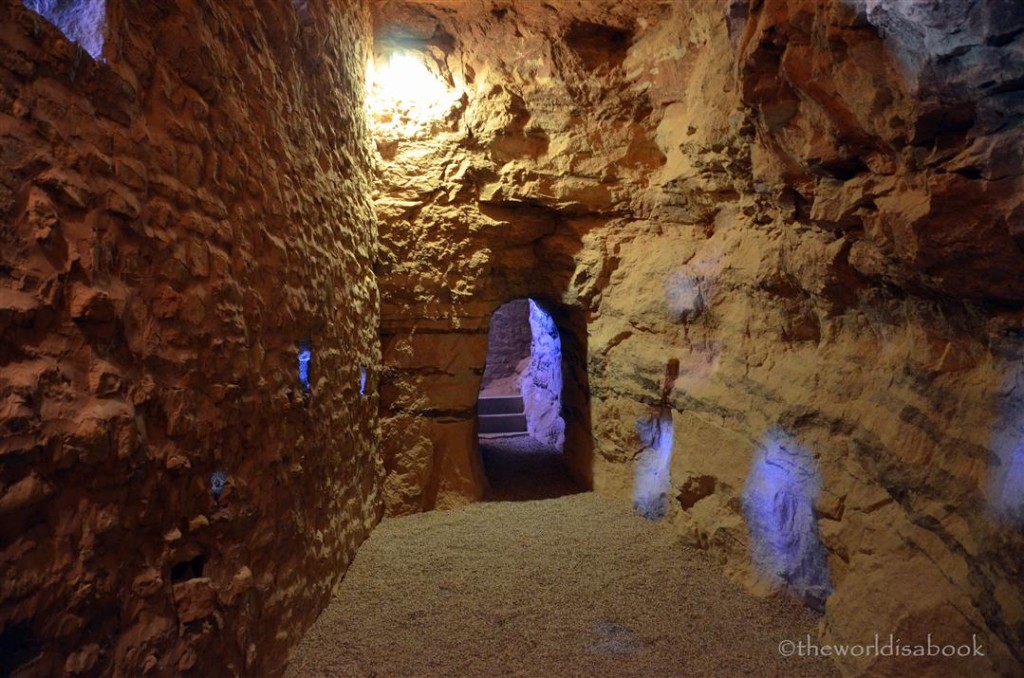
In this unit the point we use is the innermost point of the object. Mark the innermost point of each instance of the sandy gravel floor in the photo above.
(567, 586)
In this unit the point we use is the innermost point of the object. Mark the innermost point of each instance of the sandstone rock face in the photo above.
(751, 219)
(174, 222)
(508, 348)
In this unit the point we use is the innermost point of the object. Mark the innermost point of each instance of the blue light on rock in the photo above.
(1006, 473)
(541, 386)
(218, 479)
(362, 380)
(1011, 494)
(653, 476)
(778, 502)
(305, 358)
(82, 21)
(683, 297)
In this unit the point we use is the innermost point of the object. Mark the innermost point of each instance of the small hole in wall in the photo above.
(81, 21)
(362, 380)
(18, 647)
(218, 480)
(305, 358)
(188, 569)
(973, 173)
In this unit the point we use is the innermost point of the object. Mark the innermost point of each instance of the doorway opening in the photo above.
(521, 418)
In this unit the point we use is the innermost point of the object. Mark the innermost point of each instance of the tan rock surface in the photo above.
(796, 216)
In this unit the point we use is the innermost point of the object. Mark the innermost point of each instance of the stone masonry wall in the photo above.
(781, 235)
(175, 221)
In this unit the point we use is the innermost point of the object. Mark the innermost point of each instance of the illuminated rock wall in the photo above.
(542, 381)
(508, 348)
(761, 219)
(175, 222)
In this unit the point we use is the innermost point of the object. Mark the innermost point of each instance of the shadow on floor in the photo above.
(520, 468)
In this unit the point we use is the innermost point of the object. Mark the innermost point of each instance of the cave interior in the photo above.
(612, 304)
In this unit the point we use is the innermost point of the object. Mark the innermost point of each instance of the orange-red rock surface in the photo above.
(172, 223)
(787, 219)
(774, 234)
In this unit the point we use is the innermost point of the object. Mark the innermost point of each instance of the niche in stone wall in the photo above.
(84, 22)
(305, 359)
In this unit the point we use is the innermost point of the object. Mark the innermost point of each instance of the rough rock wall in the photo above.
(908, 145)
(508, 346)
(757, 221)
(476, 210)
(541, 386)
(174, 222)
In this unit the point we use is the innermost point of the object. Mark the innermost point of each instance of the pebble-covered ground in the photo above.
(566, 585)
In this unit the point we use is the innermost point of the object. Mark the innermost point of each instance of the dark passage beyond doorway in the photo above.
(521, 389)
(522, 432)
(520, 468)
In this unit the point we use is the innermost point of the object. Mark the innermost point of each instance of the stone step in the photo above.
(502, 423)
(490, 405)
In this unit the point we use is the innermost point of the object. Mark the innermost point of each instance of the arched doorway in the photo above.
(523, 409)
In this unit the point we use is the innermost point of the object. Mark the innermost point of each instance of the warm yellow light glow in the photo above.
(403, 91)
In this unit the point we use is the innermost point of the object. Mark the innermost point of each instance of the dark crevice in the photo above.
(1001, 39)
(188, 569)
(18, 646)
(598, 45)
(972, 173)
